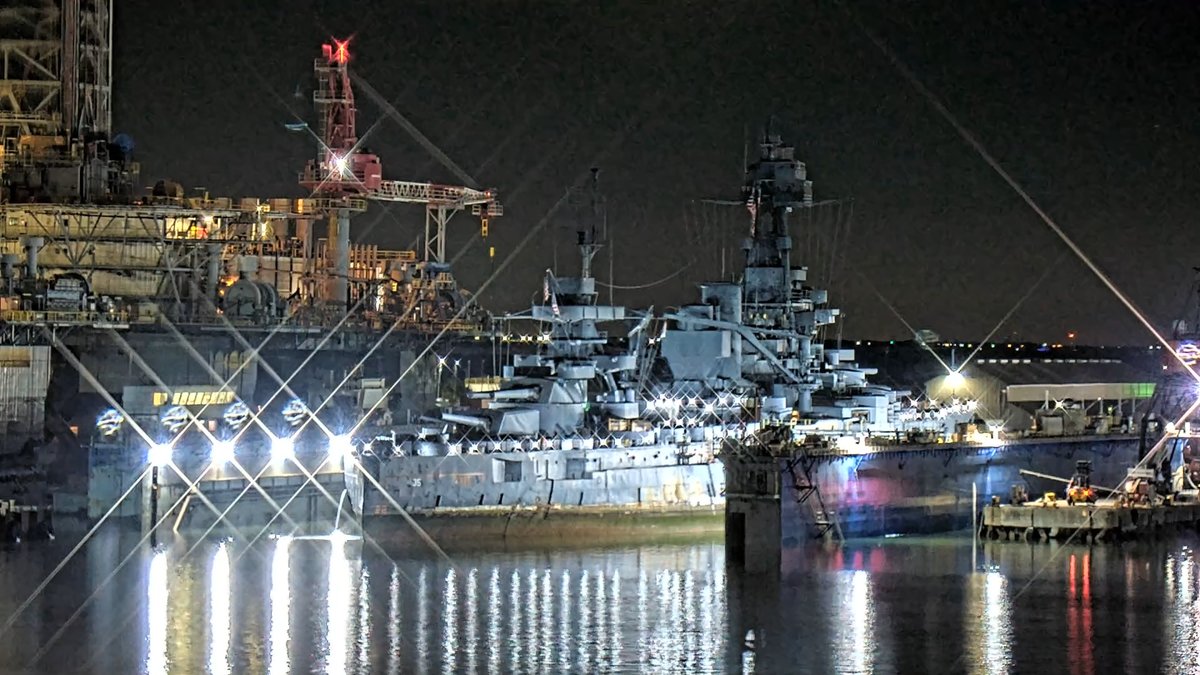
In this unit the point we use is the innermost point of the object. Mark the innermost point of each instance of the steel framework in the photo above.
(56, 69)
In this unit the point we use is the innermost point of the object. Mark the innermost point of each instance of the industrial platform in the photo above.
(1103, 521)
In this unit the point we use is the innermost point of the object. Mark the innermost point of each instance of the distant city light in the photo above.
(222, 452)
(159, 454)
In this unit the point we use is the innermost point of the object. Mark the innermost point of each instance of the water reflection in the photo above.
(450, 624)
(854, 619)
(394, 621)
(305, 605)
(338, 607)
(1182, 618)
(156, 614)
(219, 592)
(989, 628)
(281, 605)
(1080, 646)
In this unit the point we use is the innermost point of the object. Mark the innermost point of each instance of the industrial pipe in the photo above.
(32, 244)
(214, 269)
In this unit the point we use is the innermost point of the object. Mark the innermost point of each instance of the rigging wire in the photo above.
(652, 284)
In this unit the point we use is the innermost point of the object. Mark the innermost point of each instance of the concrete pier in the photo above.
(753, 515)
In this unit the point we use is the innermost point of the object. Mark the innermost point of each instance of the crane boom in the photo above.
(431, 193)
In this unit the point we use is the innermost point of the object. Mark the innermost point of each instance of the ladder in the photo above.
(808, 492)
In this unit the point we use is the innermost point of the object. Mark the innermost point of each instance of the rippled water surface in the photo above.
(899, 605)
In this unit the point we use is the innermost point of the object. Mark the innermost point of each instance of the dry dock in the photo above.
(1103, 521)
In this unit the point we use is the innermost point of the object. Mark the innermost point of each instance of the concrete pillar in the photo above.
(339, 238)
(214, 271)
(753, 516)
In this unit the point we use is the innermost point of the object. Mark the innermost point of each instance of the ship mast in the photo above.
(588, 232)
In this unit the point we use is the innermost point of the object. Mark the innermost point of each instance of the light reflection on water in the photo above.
(218, 611)
(156, 614)
(895, 606)
(281, 606)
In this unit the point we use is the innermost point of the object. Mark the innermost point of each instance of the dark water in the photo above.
(899, 605)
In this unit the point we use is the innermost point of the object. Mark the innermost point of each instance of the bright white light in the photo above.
(283, 448)
(222, 452)
(955, 379)
(340, 446)
(159, 454)
(339, 165)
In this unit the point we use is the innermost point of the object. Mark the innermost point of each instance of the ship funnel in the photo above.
(32, 244)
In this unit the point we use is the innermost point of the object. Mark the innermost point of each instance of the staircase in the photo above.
(824, 520)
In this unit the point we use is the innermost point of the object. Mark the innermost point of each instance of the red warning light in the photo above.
(341, 51)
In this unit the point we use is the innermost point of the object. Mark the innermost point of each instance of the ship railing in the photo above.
(697, 451)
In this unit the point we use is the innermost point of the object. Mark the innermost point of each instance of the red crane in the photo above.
(343, 171)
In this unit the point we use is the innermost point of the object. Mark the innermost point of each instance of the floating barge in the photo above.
(1104, 521)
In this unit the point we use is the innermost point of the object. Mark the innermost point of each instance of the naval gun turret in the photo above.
(574, 378)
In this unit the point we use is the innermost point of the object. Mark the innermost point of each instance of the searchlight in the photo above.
(159, 454)
(340, 446)
(283, 448)
(222, 452)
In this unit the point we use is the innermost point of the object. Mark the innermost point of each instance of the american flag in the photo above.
(752, 206)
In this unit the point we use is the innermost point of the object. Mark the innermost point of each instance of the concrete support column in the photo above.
(753, 516)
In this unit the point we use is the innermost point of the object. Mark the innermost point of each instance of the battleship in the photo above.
(626, 432)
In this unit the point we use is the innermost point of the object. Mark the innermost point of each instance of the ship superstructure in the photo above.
(760, 340)
(575, 384)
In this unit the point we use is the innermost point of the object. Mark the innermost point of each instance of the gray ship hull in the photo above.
(929, 489)
(621, 494)
(545, 495)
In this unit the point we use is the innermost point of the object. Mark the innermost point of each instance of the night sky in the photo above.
(1091, 106)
